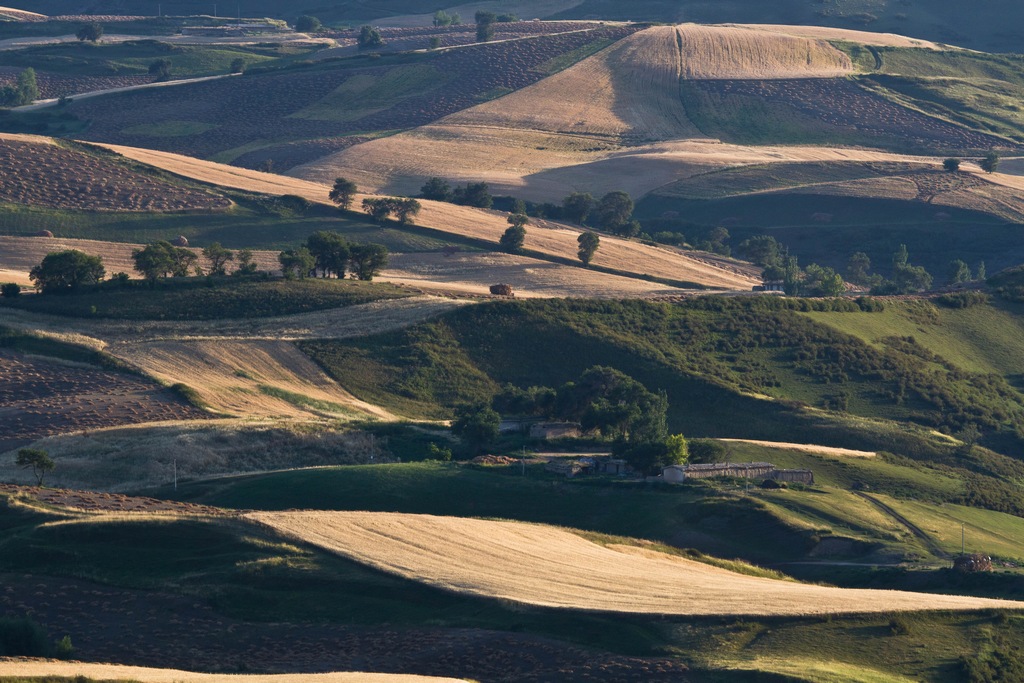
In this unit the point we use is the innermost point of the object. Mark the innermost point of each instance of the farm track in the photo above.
(78, 96)
(538, 565)
(915, 530)
(808, 448)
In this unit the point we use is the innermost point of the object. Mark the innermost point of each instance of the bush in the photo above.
(21, 637)
(963, 299)
(10, 290)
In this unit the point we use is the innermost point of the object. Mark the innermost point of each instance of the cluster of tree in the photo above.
(779, 265)
(90, 33)
(162, 259)
(988, 163)
(485, 24)
(67, 271)
(473, 194)
(24, 91)
(328, 254)
(308, 24)
(442, 18)
(369, 38)
(604, 401)
(613, 213)
(905, 278)
(380, 210)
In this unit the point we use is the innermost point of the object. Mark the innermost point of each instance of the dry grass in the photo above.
(35, 667)
(525, 9)
(547, 566)
(473, 273)
(744, 52)
(849, 35)
(22, 15)
(809, 448)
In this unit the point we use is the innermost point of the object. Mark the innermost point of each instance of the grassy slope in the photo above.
(249, 574)
(198, 299)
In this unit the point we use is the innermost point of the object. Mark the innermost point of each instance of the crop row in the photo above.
(259, 107)
(53, 85)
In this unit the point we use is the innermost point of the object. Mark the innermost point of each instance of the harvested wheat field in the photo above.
(117, 672)
(474, 273)
(12, 14)
(250, 377)
(543, 565)
(843, 34)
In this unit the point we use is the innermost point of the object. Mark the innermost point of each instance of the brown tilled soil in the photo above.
(54, 176)
(154, 629)
(53, 85)
(40, 397)
(91, 501)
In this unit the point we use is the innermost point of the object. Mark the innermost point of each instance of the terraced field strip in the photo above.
(117, 672)
(808, 448)
(551, 567)
(40, 104)
(848, 35)
(554, 239)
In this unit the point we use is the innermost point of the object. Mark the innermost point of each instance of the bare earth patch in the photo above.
(540, 565)
(808, 448)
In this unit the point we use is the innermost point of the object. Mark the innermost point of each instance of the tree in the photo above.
(474, 194)
(908, 279)
(246, 264)
(614, 211)
(763, 250)
(442, 18)
(90, 32)
(343, 192)
(477, 425)
(979, 273)
(219, 257)
(330, 251)
(437, 189)
(716, 240)
(238, 65)
(951, 164)
(959, 272)
(654, 456)
(10, 290)
(589, 242)
(37, 460)
(821, 281)
(378, 209)
(296, 263)
(160, 69)
(435, 43)
(155, 261)
(27, 87)
(485, 26)
(406, 209)
(307, 24)
(184, 260)
(63, 271)
(368, 260)
(369, 37)
(858, 269)
(513, 238)
(577, 206)
(901, 256)
(990, 162)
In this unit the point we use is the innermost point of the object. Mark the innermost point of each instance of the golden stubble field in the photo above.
(117, 672)
(551, 567)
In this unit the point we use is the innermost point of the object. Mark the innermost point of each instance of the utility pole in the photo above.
(214, 10)
(175, 474)
(963, 540)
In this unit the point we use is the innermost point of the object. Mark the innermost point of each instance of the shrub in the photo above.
(10, 290)
(963, 299)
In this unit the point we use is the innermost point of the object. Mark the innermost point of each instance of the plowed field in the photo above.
(541, 565)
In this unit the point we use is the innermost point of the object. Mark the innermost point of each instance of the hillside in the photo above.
(526, 563)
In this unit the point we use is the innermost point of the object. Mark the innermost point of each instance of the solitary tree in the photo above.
(10, 290)
(63, 271)
(90, 32)
(858, 269)
(160, 69)
(514, 237)
(219, 257)
(369, 38)
(155, 261)
(37, 460)
(614, 211)
(378, 209)
(238, 65)
(296, 263)
(485, 26)
(330, 252)
(406, 209)
(28, 88)
(307, 24)
(951, 164)
(343, 192)
(246, 264)
(990, 162)
(979, 273)
(368, 260)
(589, 242)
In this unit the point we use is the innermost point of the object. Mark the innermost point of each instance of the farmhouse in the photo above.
(747, 470)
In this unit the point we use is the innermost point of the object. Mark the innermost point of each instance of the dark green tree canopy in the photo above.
(614, 211)
(343, 192)
(578, 206)
(368, 260)
(219, 257)
(477, 425)
(37, 460)
(369, 38)
(990, 162)
(307, 24)
(513, 239)
(589, 242)
(330, 252)
(65, 271)
(296, 263)
(437, 189)
(90, 32)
